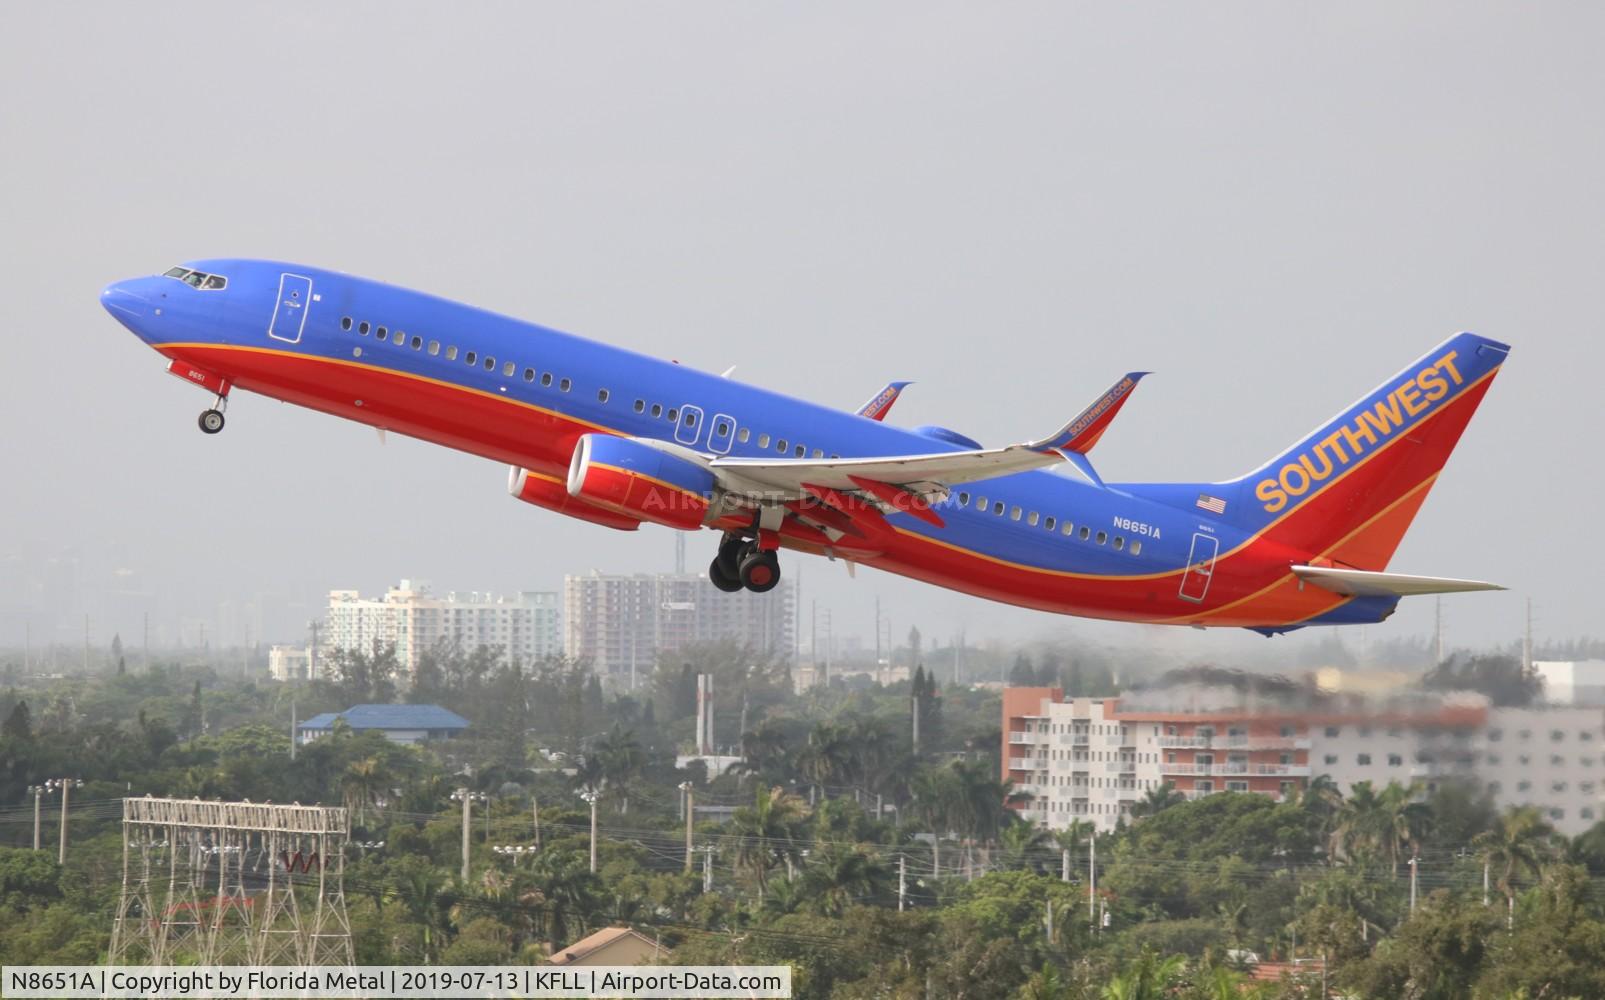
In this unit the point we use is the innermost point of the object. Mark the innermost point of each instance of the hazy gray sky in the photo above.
(1273, 206)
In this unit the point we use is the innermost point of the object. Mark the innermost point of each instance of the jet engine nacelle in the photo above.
(639, 481)
(552, 494)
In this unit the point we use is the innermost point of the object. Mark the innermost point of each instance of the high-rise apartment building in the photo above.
(1093, 758)
(619, 624)
(522, 627)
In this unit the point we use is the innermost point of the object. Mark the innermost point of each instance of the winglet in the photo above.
(880, 404)
(1080, 434)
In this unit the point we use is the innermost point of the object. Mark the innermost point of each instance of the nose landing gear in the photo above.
(211, 421)
(741, 562)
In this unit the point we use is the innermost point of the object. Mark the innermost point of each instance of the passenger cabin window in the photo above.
(1136, 547)
(529, 374)
(1084, 533)
(801, 451)
(601, 395)
(780, 446)
(345, 322)
(417, 343)
(434, 348)
(362, 328)
(565, 385)
(546, 378)
(964, 499)
(743, 434)
(673, 414)
(1048, 524)
(657, 409)
(490, 364)
(451, 354)
(470, 357)
(640, 406)
(763, 440)
(382, 333)
(508, 368)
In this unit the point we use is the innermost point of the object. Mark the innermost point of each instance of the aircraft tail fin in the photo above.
(1346, 493)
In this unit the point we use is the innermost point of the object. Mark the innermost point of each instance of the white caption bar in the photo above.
(223, 982)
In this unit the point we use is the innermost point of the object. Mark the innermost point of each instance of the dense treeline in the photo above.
(876, 865)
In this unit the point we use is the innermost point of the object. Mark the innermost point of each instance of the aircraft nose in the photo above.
(120, 298)
(130, 304)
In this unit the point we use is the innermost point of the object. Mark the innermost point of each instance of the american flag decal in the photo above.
(1215, 505)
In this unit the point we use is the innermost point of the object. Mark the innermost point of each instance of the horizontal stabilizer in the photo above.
(1364, 583)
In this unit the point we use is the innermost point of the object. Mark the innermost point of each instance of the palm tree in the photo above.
(1519, 844)
(763, 750)
(1405, 822)
(1073, 836)
(1157, 800)
(978, 812)
(841, 876)
(828, 757)
(560, 890)
(621, 759)
(1147, 978)
(362, 785)
(765, 834)
(1360, 822)
(1322, 801)
(934, 792)
(1020, 841)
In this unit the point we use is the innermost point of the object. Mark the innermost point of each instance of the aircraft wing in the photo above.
(1365, 583)
(924, 475)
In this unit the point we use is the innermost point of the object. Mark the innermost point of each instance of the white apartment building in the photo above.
(1572, 682)
(1552, 758)
(522, 627)
(619, 624)
(290, 663)
(1090, 759)
(1093, 758)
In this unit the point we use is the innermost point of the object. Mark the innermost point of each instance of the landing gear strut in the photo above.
(211, 421)
(742, 563)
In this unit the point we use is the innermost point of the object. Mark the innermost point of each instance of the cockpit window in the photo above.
(197, 279)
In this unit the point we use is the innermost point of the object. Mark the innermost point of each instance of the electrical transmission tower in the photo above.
(231, 883)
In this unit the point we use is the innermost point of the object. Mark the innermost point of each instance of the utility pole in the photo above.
(38, 791)
(1437, 630)
(535, 810)
(688, 804)
(292, 729)
(707, 868)
(592, 798)
(1092, 881)
(1485, 883)
(1527, 641)
(902, 881)
(467, 798)
(66, 785)
(1064, 865)
(1415, 866)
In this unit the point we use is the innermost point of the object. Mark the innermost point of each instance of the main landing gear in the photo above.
(742, 563)
(211, 421)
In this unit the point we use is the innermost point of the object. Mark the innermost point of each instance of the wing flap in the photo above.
(1366, 583)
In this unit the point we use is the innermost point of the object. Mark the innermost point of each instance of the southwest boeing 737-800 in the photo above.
(617, 438)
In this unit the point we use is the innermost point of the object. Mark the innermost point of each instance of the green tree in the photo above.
(1517, 846)
(765, 834)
